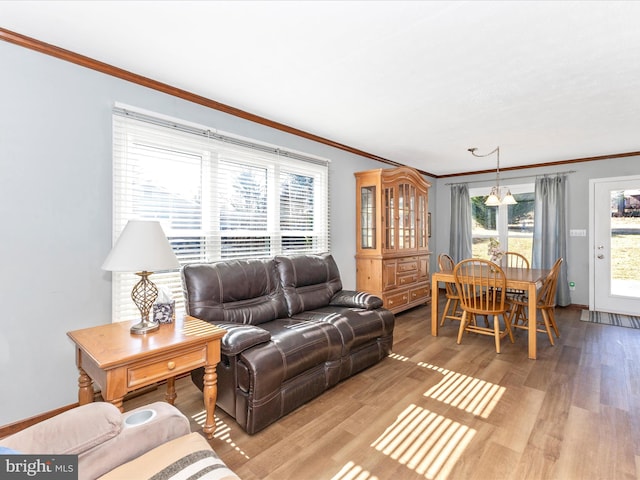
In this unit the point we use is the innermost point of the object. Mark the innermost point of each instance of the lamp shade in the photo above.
(142, 246)
(493, 200)
(509, 199)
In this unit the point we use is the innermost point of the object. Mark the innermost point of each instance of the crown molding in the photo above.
(76, 58)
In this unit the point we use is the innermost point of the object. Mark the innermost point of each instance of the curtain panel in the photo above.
(460, 242)
(550, 230)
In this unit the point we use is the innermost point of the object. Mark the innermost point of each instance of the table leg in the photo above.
(171, 395)
(434, 307)
(118, 402)
(532, 323)
(85, 388)
(210, 393)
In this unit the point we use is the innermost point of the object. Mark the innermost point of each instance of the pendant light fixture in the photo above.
(493, 200)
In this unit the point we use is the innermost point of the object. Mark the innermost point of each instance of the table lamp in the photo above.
(142, 248)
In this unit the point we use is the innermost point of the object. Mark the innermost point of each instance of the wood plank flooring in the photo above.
(438, 410)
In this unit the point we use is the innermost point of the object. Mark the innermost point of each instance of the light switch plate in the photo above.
(577, 233)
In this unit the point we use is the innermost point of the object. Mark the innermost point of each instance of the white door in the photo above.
(615, 245)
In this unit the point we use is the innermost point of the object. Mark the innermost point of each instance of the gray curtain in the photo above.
(460, 232)
(550, 230)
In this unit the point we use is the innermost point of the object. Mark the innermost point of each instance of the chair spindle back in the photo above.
(481, 285)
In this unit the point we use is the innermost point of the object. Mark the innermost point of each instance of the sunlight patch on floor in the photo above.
(223, 431)
(470, 394)
(425, 442)
(395, 356)
(351, 471)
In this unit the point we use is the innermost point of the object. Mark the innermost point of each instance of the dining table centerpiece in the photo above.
(494, 250)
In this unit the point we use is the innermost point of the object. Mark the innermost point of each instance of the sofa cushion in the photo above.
(236, 291)
(189, 456)
(296, 346)
(356, 326)
(308, 281)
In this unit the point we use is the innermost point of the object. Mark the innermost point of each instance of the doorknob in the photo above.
(601, 256)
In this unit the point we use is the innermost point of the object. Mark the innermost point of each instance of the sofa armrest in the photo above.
(97, 433)
(353, 299)
(167, 424)
(241, 337)
(70, 433)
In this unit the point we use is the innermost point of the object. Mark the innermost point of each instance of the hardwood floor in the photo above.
(438, 410)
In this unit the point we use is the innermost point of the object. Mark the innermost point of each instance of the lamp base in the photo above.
(144, 293)
(144, 326)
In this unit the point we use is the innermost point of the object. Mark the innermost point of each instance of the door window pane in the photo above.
(625, 242)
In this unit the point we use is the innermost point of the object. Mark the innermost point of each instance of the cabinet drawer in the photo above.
(144, 374)
(408, 266)
(420, 292)
(392, 301)
(407, 279)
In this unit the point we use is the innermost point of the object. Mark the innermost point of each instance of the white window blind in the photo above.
(216, 196)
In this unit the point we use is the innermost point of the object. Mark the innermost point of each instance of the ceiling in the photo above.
(414, 82)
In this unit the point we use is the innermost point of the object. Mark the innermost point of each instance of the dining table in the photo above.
(528, 280)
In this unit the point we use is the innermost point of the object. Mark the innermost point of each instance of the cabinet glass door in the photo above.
(389, 218)
(368, 217)
(412, 217)
(406, 217)
(423, 222)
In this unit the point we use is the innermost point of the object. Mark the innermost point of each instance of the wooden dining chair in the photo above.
(514, 260)
(546, 303)
(481, 285)
(451, 309)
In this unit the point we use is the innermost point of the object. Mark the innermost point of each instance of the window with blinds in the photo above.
(217, 197)
(511, 225)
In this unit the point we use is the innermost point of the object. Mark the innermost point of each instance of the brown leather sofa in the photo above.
(292, 331)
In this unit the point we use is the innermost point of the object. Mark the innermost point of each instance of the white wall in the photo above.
(55, 212)
(578, 218)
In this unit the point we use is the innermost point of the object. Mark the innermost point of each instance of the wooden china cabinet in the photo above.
(392, 252)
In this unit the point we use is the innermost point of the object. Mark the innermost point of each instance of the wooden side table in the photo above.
(120, 362)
